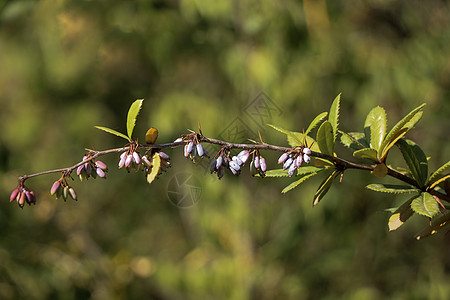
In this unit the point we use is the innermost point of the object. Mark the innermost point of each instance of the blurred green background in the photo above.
(66, 66)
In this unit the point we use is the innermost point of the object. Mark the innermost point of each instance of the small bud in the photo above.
(234, 171)
(82, 176)
(256, 162)
(243, 156)
(237, 160)
(55, 187)
(200, 150)
(220, 172)
(65, 192)
(306, 158)
(101, 165)
(33, 197)
(137, 158)
(100, 173)
(219, 162)
(178, 140)
(299, 161)
(129, 160)
(283, 158)
(292, 169)
(306, 151)
(124, 154)
(28, 197)
(72, 193)
(253, 170)
(212, 166)
(80, 169)
(59, 192)
(164, 155)
(288, 163)
(85, 157)
(21, 200)
(13, 195)
(146, 161)
(88, 168)
(122, 161)
(234, 165)
(262, 161)
(189, 148)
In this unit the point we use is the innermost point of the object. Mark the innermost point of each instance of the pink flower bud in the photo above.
(306, 151)
(299, 161)
(288, 163)
(292, 169)
(262, 161)
(178, 140)
(164, 155)
(55, 187)
(88, 168)
(146, 161)
(122, 161)
(137, 158)
(13, 195)
(100, 173)
(219, 162)
(21, 200)
(124, 154)
(33, 197)
(101, 165)
(243, 156)
(256, 162)
(306, 158)
(80, 169)
(129, 160)
(283, 158)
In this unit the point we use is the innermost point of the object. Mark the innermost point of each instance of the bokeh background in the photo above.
(66, 66)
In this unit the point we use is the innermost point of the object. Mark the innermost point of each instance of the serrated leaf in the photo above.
(153, 170)
(132, 115)
(324, 187)
(403, 123)
(392, 188)
(316, 122)
(439, 173)
(375, 127)
(333, 116)
(112, 131)
(297, 182)
(300, 171)
(425, 205)
(366, 153)
(435, 183)
(325, 138)
(386, 149)
(437, 225)
(416, 160)
(401, 215)
(350, 142)
(296, 138)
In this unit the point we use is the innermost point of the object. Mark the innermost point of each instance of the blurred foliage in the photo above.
(67, 66)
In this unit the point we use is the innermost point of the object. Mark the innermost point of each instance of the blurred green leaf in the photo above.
(416, 160)
(133, 112)
(316, 122)
(436, 225)
(401, 215)
(392, 188)
(324, 187)
(425, 205)
(297, 182)
(112, 131)
(375, 127)
(366, 153)
(325, 138)
(413, 116)
(333, 117)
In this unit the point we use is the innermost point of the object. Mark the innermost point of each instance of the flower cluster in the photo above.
(224, 161)
(22, 194)
(61, 188)
(92, 168)
(193, 148)
(258, 165)
(293, 161)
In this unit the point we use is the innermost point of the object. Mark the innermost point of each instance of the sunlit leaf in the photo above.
(437, 181)
(375, 127)
(325, 138)
(386, 149)
(425, 205)
(316, 122)
(368, 153)
(324, 187)
(297, 139)
(416, 160)
(297, 182)
(132, 115)
(403, 123)
(392, 188)
(333, 117)
(153, 170)
(112, 131)
(351, 142)
(439, 173)
(436, 225)
(401, 215)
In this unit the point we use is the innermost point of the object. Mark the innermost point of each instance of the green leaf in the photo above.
(300, 171)
(441, 179)
(296, 138)
(439, 173)
(392, 188)
(401, 215)
(316, 122)
(297, 182)
(132, 115)
(386, 149)
(437, 225)
(366, 153)
(375, 127)
(425, 205)
(154, 168)
(350, 141)
(324, 187)
(413, 116)
(415, 159)
(325, 138)
(333, 117)
(112, 131)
